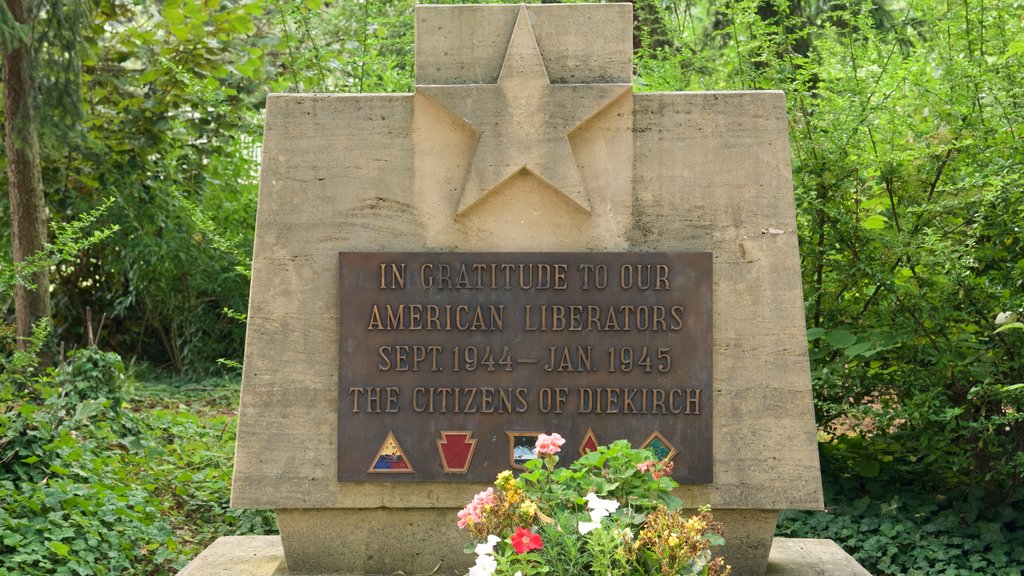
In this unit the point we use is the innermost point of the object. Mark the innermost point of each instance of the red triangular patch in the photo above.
(589, 443)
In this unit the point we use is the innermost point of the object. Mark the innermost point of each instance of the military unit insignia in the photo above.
(456, 450)
(589, 443)
(660, 446)
(457, 447)
(390, 458)
(521, 448)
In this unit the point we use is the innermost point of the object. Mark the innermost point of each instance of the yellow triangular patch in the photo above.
(390, 459)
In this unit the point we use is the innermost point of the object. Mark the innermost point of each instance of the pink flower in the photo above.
(657, 469)
(664, 470)
(549, 444)
(474, 511)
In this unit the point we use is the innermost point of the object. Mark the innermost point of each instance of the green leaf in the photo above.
(1014, 49)
(60, 548)
(858, 348)
(873, 203)
(714, 539)
(1010, 326)
(841, 338)
(815, 333)
(874, 222)
(149, 75)
(171, 11)
(58, 469)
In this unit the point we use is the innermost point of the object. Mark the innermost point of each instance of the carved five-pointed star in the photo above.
(524, 120)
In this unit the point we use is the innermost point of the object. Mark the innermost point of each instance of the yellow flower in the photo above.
(528, 508)
(695, 526)
(505, 480)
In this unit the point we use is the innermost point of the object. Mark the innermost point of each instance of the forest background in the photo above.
(144, 122)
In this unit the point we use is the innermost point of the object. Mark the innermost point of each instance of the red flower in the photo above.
(523, 541)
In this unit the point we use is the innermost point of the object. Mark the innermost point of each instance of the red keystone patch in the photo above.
(456, 450)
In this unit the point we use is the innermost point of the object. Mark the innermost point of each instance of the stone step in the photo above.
(264, 556)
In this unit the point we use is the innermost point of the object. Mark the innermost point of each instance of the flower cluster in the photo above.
(474, 512)
(498, 509)
(679, 542)
(522, 541)
(548, 444)
(610, 512)
(658, 469)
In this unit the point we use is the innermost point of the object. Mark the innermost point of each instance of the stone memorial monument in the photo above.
(523, 245)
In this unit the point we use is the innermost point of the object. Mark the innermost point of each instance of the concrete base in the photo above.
(811, 557)
(372, 540)
(264, 556)
(240, 556)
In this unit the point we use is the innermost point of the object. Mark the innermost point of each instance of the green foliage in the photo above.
(97, 479)
(346, 46)
(158, 107)
(12, 33)
(908, 168)
(170, 98)
(902, 522)
(68, 240)
(612, 472)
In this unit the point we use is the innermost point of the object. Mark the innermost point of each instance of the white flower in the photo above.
(588, 526)
(599, 507)
(487, 547)
(485, 566)
(518, 573)
(485, 562)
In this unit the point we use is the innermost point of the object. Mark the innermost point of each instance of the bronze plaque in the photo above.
(452, 363)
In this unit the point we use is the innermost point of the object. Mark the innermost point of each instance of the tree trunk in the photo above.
(24, 179)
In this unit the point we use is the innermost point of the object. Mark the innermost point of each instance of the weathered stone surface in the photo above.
(523, 120)
(748, 539)
(374, 541)
(712, 173)
(811, 557)
(581, 44)
(240, 556)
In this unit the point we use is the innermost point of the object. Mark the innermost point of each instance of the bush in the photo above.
(908, 169)
(92, 484)
(900, 521)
